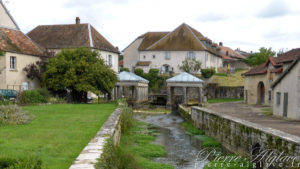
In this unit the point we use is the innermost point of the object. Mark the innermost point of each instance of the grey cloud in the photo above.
(211, 17)
(276, 8)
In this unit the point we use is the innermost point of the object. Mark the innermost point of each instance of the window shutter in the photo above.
(112, 60)
(106, 61)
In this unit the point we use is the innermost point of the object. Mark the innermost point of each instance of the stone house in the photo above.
(258, 80)
(57, 37)
(166, 50)
(287, 92)
(20, 51)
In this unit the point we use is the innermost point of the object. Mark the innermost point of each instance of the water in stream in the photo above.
(182, 149)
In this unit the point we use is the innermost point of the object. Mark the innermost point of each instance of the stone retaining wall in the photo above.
(240, 136)
(93, 151)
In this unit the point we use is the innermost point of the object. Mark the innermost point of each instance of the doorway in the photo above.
(261, 93)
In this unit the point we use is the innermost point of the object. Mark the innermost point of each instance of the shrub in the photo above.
(124, 69)
(45, 94)
(33, 97)
(13, 114)
(30, 162)
(139, 72)
(57, 100)
(207, 73)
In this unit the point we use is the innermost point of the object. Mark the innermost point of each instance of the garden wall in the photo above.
(241, 136)
(214, 92)
(93, 151)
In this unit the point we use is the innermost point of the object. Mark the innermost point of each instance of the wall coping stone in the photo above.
(94, 149)
(274, 132)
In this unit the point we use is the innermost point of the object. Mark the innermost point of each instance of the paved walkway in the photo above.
(254, 115)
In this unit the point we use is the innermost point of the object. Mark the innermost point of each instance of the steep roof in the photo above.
(149, 38)
(182, 38)
(70, 36)
(12, 40)
(293, 64)
(9, 15)
(185, 77)
(131, 77)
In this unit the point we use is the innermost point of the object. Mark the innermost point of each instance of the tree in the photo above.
(190, 66)
(79, 71)
(260, 57)
(2, 53)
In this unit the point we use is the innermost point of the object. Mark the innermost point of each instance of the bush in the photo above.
(57, 100)
(30, 162)
(13, 114)
(124, 69)
(139, 72)
(207, 73)
(33, 97)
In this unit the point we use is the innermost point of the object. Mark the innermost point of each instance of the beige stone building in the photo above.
(287, 92)
(57, 37)
(166, 50)
(20, 51)
(258, 80)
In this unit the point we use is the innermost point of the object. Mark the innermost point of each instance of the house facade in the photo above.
(287, 92)
(19, 51)
(57, 37)
(258, 80)
(166, 50)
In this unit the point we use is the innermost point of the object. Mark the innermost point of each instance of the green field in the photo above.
(56, 133)
(223, 100)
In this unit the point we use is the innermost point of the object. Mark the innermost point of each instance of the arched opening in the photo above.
(261, 93)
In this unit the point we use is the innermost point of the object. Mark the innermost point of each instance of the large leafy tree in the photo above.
(190, 66)
(79, 71)
(260, 57)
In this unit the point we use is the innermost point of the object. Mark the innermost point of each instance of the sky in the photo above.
(244, 24)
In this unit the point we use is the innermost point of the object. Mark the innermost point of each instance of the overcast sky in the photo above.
(247, 25)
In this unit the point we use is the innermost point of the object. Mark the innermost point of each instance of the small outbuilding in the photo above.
(132, 87)
(184, 89)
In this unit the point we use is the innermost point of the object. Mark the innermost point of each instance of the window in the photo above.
(168, 56)
(191, 55)
(270, 95)
(109, 60)
(13, 61)
(153, 56)
(278, 94)
(144, 56)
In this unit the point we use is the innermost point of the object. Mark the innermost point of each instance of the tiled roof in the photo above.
(291, 66)
(143, 63)
(183, 38)
(288, 56)
(70, 36)
(131, 77)
(12, 40)
(231, 53)
(185, 77)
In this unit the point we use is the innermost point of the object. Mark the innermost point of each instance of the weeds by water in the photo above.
(136, 149)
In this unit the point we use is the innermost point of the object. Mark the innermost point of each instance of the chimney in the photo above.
(77, 20)
(220, 43)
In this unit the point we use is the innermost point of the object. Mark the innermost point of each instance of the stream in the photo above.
(182, 149)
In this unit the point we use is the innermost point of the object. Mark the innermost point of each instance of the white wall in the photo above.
(131, 54)
(5, 20)
(208, 60)
(289, 84)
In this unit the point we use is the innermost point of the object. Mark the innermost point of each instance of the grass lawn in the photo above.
(223, 100)
(57, 133)
(230, 80)
(267, 111)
